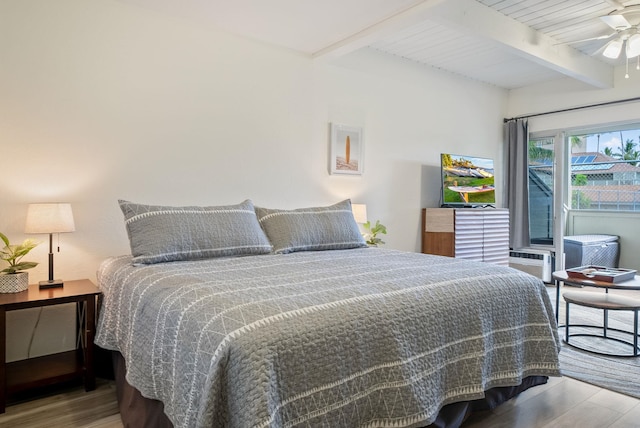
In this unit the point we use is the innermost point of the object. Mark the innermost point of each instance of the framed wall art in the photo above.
(346, 150)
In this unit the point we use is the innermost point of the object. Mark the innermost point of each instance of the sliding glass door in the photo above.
(580, 170)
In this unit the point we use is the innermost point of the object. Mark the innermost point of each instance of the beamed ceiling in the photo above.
(506, 43)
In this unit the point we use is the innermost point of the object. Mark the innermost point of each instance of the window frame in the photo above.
(561, 170)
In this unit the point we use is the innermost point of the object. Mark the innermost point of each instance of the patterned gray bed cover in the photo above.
(351, 338)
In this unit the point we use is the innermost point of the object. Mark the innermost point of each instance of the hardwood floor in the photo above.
(563, 402)
(68, 407)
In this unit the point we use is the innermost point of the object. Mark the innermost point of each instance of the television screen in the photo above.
(467, 180)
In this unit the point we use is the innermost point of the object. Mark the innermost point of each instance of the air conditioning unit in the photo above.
(533, 261)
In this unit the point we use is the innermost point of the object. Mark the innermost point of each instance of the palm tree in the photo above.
(627, 151)
(576, 141)
(537, 153)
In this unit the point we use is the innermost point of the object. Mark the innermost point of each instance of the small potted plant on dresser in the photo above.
(12, 278)
(372, 231)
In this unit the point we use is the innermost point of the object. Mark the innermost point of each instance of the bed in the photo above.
(338, 335)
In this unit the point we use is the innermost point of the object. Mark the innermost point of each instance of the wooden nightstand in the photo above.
(47, 370)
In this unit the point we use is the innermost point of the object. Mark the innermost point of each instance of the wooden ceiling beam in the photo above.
(481, 21)
(410, 16)
(477, 20)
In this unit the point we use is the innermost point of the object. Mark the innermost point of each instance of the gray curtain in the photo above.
(516, 137)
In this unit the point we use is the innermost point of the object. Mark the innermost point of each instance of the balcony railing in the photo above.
(591, 198)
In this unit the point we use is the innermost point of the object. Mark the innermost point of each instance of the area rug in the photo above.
(613, 373)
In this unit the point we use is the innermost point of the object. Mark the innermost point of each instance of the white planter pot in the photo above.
(14, 282)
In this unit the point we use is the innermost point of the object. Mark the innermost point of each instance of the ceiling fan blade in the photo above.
(616, 21)
(603, 37)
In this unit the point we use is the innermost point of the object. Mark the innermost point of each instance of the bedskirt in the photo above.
(137, 411)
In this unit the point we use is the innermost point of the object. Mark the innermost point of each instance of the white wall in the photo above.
(102, 100)
(567, 93)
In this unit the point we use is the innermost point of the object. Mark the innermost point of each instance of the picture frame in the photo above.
(347, 150)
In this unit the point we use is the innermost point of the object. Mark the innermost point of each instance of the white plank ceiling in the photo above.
(506, 43)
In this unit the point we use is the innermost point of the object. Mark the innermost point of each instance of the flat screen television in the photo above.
(467, 180)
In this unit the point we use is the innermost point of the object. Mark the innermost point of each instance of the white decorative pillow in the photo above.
(310, 229)
(163, 234)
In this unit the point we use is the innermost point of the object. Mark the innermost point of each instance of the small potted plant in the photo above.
(371, 233)
(12, 278)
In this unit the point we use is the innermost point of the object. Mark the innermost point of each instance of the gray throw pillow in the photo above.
(310, 229)
(163, 234)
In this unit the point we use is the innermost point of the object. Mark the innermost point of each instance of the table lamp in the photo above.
(359, 213)
(50, 218)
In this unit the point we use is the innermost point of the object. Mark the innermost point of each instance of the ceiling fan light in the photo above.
(612, 49)
(633, 46)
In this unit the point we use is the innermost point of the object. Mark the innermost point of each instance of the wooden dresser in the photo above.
(480, 234)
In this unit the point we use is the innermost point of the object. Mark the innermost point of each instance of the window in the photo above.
(541, 155)
(604, 174)
(605, 171)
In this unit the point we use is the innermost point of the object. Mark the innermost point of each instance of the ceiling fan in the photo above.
(626, 23)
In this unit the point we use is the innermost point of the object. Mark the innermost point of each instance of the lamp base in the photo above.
(53, 283)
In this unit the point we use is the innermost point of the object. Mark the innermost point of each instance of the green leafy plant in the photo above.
(13, 255)
(579, 180)
(371, 235)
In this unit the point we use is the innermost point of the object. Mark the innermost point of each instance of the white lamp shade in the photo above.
(633, 46)
(49, 218)
(359, 212)
(613, 48)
